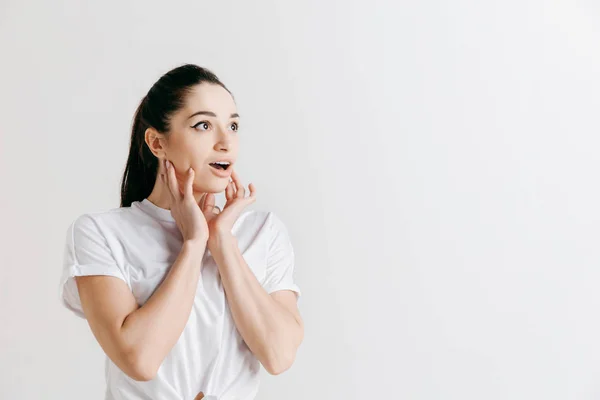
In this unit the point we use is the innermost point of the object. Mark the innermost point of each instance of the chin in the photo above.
(212, 185)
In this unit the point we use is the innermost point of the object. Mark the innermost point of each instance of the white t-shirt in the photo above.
(138, 244)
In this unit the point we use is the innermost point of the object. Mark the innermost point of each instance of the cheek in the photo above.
(189, 153)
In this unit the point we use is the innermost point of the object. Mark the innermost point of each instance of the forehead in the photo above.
(210, 97)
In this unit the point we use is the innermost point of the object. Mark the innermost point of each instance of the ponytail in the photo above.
(141, 168)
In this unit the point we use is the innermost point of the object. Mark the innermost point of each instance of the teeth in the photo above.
(221, 163)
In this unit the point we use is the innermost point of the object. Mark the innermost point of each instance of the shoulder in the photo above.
(264, 226)
(96, 222)
(257, 224)
(259, 219)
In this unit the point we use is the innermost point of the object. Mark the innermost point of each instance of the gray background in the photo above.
(435, 162)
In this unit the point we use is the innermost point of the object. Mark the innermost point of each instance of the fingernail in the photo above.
(167, 164)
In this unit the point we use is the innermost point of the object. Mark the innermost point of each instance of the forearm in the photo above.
(268, 329)
(153, 329)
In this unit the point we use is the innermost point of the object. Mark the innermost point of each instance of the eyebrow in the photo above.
(212, 114)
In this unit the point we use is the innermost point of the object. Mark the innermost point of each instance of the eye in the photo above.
(235, 126)
(202, 125)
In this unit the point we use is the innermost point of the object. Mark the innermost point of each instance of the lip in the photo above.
(223, 173)
(229, 160)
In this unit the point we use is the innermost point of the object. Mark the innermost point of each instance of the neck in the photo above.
(161, 197)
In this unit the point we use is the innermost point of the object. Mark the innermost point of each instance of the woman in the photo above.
(185, 300)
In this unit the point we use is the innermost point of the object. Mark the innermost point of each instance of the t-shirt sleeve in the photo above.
(280, 258)
(86, 252)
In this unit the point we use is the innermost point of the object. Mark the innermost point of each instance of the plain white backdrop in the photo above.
(435, 162)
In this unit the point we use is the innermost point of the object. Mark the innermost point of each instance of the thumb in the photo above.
(201, 201)
(209, 202)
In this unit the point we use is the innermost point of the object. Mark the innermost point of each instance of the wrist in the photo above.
(195, 245)
(220, 238)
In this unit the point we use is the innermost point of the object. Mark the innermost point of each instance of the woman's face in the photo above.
(202, 132)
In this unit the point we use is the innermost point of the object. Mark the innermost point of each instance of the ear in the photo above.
(155, 141)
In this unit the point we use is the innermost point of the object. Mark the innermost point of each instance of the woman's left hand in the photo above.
(221, 223)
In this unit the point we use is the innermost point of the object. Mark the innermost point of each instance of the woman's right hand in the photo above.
(187, 213)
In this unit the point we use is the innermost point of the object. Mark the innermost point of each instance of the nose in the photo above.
(223, 140)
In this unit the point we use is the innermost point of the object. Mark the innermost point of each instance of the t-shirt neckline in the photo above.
(156, 211)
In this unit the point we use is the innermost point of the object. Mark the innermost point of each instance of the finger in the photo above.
(201, 201)
(245, 201)
(252, 197)
(209, 202)
(239, 187)
(189, 184)
(172, 180)
(229, 191)
(252, 190)
(165, 179)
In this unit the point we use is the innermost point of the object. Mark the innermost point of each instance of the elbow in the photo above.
(280, 358)
(142, 374)
(276, 364)
(140, 368)
(276, 368)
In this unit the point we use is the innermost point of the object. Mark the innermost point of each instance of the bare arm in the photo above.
(137, 339)
(270, 324)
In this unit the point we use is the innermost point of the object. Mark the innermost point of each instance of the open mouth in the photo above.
(219, 165)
